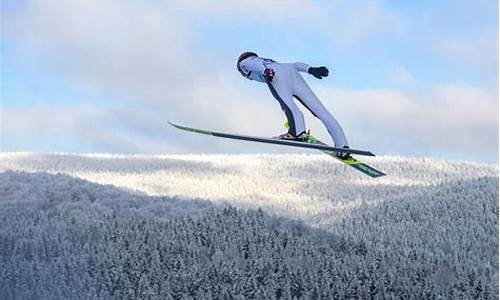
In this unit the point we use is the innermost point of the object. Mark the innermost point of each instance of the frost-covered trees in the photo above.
(66, 238)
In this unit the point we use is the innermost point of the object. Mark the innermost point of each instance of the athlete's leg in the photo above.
(282, 90)
(306, 96)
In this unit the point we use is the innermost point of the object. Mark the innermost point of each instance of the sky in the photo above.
(407, 78)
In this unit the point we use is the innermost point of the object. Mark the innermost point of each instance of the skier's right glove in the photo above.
(269, 74)
(319, 72)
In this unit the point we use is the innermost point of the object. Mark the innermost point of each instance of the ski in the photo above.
(349, 160)
(310, 145)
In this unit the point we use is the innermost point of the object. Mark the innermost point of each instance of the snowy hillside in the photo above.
(245, 226)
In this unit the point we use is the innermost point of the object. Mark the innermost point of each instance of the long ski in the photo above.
(317, 146)
(349, 160)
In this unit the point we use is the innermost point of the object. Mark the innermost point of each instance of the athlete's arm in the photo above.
(301, 67)
(318, 72)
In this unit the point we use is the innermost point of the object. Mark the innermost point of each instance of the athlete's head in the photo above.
(242, 57)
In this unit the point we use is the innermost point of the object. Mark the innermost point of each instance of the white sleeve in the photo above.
(301, 67)
(255, 67)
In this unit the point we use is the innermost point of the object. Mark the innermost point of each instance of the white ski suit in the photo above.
(286, 84)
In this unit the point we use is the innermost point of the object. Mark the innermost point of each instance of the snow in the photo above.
(428, 228)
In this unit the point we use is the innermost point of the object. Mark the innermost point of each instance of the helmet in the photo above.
(243, 56)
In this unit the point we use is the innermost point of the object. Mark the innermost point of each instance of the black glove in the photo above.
(269, 74)
(319, 72)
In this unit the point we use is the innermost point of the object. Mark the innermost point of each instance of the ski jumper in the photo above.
(288, 84)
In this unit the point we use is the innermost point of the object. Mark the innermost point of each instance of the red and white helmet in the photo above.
(243, 56)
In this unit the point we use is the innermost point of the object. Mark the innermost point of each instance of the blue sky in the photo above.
(410, 78)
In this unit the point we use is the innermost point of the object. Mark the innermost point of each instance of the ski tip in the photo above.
(173, 124)
(176, 125)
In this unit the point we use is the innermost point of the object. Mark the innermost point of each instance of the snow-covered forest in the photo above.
(245, 227)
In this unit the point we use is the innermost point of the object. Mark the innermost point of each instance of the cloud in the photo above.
(259, 11)
(403, 78)
(459, 31)
(146, 50)
(350, 22)
(450, 118)
(346, 22)
(479, 51)
(106, 43)
(42, 125)
(144, 53)
(118, 130)
(85, 129)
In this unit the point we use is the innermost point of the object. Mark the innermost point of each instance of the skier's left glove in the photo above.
(269, 74)
(318, 72)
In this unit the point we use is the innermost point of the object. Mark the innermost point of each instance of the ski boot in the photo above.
(344, 155)
(288, 136)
